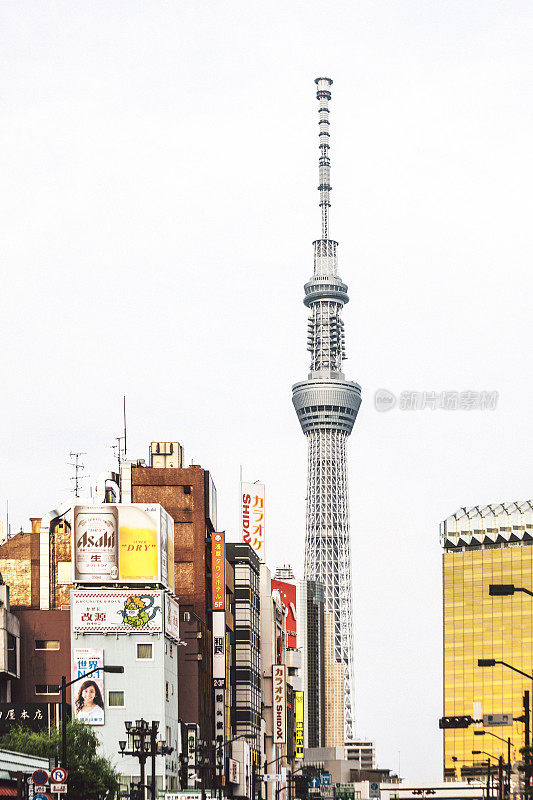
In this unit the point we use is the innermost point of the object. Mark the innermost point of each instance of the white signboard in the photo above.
(279, 703)
(172, 618)
(233, 769)
(88, 695)
(192, 736)
(109, 611)
(219, 644)
(252, 512)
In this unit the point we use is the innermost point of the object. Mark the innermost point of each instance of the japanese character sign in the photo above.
(253, 516)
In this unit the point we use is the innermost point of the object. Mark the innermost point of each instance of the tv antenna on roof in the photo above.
(78, 469)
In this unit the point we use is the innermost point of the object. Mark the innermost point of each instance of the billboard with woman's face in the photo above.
(87, 696)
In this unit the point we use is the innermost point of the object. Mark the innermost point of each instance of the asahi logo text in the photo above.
(104, 540)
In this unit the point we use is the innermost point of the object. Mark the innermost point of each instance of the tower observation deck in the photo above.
(327, 405)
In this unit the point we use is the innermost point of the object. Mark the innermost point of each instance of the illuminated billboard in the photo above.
(114, 543)
(218, 571)
(288, 598)
(252, 505)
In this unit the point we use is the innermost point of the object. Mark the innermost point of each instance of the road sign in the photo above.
(494, 720)
(58, 775)
(272, 777)
(325, 779)
(40, 797)
(58, 787)
(313, 783)
(40, 777)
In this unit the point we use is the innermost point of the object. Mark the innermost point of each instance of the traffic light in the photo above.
(455, 722)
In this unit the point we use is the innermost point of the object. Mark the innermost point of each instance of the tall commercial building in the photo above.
(485, 545)
(327, 405)
(310, 640)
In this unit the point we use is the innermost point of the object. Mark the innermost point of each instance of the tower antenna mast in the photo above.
(327, 405)
(78, 469)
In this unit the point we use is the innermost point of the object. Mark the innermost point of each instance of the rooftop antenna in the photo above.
(125, 439)
(78, 468)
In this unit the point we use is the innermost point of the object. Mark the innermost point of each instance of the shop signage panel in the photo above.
(252, 507)
(120, 611)
(279, 703)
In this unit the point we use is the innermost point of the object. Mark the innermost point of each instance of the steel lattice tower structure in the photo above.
(327, 406)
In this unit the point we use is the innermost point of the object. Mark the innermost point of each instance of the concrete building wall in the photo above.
(150, 692)
(42, 666)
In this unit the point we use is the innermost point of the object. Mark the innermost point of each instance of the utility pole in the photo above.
(527, 758)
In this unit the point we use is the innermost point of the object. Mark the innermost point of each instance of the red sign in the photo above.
(218, 572)
(288, 598)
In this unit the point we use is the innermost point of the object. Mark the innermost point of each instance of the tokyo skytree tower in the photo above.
(327, 405)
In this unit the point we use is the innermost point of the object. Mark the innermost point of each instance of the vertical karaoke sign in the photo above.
(252, 510)
(279, 703)
(218, 591)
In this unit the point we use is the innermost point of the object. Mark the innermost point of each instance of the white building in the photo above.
(148, 687)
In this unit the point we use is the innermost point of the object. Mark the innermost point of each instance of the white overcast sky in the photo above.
(158, 207)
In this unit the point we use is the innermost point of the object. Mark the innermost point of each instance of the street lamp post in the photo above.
(505, 741)
(142, 738)
(491, 662)
(218, 746)
(477, 753)
(64, 687)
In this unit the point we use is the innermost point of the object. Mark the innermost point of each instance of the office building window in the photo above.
(47, 688)
(115, 699)
(46, 644)
(144, 651)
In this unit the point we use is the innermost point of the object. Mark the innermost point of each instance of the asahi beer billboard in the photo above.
(88, 695)
(121, 611)
(123, 544)
(252, 508)
(279, 703)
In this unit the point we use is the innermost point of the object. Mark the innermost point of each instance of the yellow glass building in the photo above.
(482, 546)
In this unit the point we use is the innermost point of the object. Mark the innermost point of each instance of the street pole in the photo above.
(500, 778)
(143, 776)
(527, 759)
(488, 779)
(509, 768)
(153, 734)
(63, 722)
(220, 758)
